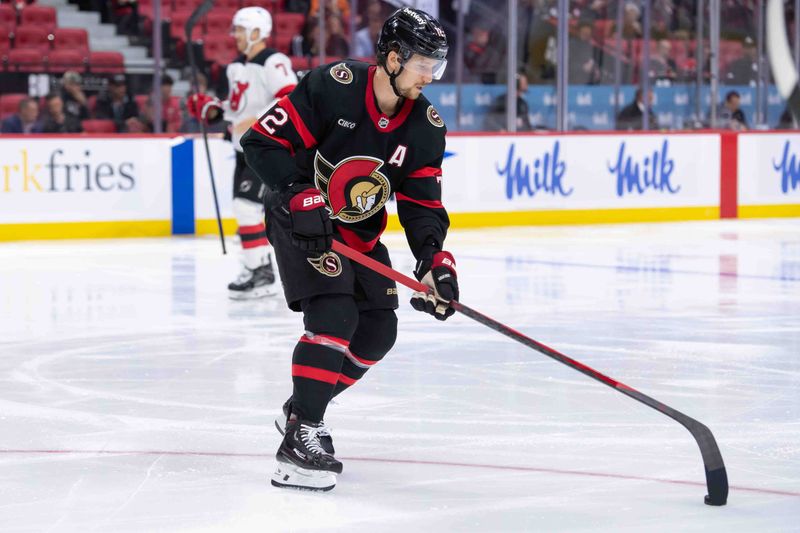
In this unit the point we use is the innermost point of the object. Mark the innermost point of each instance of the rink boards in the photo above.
(94, 186)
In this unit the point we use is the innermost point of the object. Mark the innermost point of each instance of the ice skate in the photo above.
(325, 437)
(252, 284)
(301, 461)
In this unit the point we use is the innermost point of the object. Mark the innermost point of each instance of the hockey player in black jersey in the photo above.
(331, 153)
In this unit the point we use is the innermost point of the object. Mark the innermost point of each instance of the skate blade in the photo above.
(291, 476)
(255, 294)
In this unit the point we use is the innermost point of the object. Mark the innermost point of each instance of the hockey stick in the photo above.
(716, 476)
(191, 22)
(780, 58)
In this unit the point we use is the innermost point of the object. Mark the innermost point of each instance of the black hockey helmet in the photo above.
(411, 31)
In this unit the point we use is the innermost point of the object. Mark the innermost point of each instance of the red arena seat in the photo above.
(72, 38)
(98, 126)
(42, 16)
(9, 103)
(106, 62)
(8, 17)
(62, 60)
(25, 60)
(32, 36)
(291, 23)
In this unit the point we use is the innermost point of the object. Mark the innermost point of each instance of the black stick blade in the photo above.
(717, 481)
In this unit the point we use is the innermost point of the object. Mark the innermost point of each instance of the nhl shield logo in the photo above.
(328, 264)
(341, 73)
(383, 122)
(354, 189)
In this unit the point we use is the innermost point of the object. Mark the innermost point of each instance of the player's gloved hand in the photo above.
(311, 226)
(200, 105)
(438, 273)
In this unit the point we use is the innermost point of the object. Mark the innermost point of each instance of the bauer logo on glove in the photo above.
(438, 273)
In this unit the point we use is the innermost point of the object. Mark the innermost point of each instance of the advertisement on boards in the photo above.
(595, 172)
(84, 180)
(769, 174)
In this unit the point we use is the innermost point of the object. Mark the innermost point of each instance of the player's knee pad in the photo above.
(248, 213)
(331, 314)
(375, 335)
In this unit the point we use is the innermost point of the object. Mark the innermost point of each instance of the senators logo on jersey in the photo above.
(354, 189)
(328, 264)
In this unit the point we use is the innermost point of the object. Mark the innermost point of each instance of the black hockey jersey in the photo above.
(329, 132)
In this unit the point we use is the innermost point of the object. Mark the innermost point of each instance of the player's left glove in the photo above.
(200, 105)
(438, 273)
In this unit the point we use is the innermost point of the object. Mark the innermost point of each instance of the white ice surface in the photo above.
(134, 396)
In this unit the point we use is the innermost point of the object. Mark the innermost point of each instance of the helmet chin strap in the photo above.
(392, 78)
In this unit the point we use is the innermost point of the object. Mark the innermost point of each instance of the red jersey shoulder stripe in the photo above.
(285, 90)
(299, 125)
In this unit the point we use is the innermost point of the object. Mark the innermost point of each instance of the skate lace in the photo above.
(310, 436)
(323, 430)
(244, 276)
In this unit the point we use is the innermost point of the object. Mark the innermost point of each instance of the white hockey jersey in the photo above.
(254, 84)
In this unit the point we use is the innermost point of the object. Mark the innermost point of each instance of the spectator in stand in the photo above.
(339, 8)
(25, 121)
(662, 66)
(306, 45)
(744, 70)
(56, 120)
(75, 101)
(730, 113)
(583, 68)
(116, 104)
(630, 117)
(496, 117)
(337, 44)
(126, 13)
(170, 111)
(631, 27)
(483, 55)
(365, 38)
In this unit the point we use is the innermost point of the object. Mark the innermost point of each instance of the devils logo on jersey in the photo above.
(354, 189)
(237, 92)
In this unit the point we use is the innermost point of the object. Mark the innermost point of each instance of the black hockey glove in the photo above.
(312, 230)
(438, 273)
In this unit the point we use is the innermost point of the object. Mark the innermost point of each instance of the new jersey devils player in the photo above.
(331, 153)
(255, 80)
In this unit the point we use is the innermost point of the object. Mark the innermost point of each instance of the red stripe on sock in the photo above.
(254, 243)
(360, 360)
(325, 339)
(346, 380)
(318, 374)
(248, 230)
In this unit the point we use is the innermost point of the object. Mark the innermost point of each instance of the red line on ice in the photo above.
(408, 462)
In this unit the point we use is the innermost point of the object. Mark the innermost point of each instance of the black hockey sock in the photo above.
(349, 375)
(316, 365)
(371, 341)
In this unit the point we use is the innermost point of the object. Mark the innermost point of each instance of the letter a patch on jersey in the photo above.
(398, 156)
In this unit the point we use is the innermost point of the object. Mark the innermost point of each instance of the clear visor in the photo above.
(426, 66)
